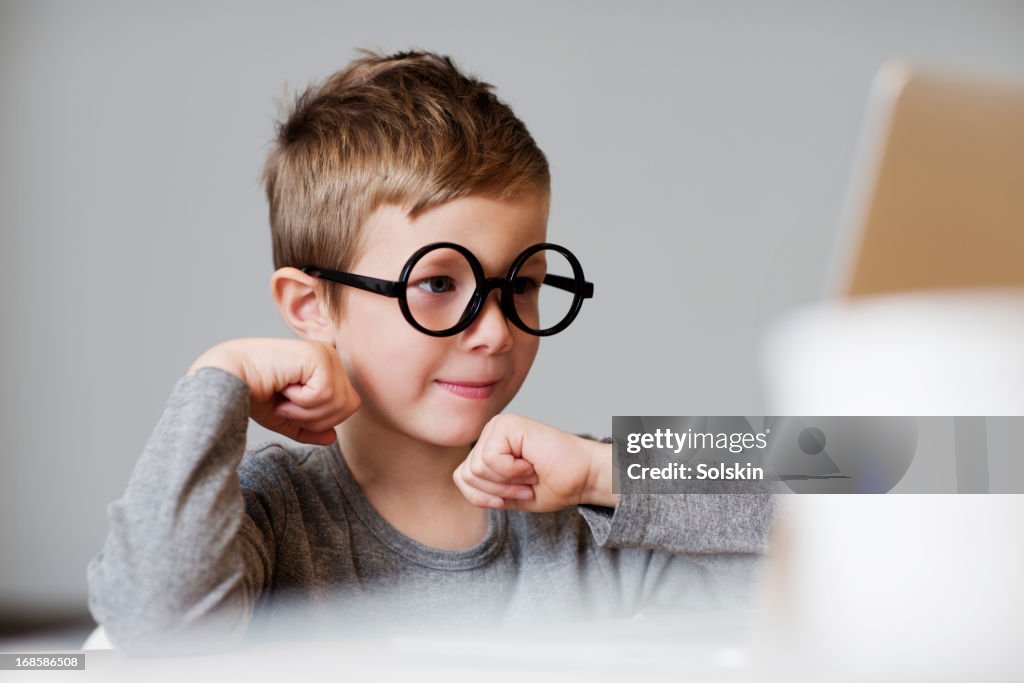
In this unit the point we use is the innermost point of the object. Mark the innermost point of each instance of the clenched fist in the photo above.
(521, 464)
(296, 387)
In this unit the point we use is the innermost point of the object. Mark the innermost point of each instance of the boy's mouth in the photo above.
(467, 389)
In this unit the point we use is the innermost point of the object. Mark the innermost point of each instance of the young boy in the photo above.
(401, 193)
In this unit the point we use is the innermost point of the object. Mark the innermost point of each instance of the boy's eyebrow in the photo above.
(438, 258)
(535, 266)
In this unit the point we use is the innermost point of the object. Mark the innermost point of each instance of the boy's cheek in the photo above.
(523, 370)
(528, 345)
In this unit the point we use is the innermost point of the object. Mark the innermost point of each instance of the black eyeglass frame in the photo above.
(580, 288)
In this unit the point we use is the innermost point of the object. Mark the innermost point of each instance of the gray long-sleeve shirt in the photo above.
(211, 543)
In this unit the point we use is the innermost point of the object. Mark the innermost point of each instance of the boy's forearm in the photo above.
(173, 543)
(221, 357)
(688, 524)
(599, 483)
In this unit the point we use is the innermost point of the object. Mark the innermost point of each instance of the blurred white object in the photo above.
(898, 587)
(954, 352)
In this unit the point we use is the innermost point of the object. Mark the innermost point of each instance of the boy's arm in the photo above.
(184, 564)
(522, 464)
(702, 548)
(714, 537)
(678, 550)
(688, 523)
(681, 551)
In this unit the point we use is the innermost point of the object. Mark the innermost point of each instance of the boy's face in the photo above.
(429, 387)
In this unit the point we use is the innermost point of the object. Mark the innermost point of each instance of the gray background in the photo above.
(700, 155)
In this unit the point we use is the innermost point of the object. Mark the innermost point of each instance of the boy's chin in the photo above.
(461, 433)
(456, 440)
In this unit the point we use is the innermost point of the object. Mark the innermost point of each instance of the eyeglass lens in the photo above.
(441, 285)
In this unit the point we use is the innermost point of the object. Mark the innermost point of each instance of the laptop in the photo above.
(937, 200)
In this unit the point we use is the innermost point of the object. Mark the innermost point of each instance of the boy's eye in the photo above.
(439, 284)
(523, 286)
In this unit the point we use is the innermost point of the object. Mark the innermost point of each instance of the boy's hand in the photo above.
(525, 465)
(296, 387)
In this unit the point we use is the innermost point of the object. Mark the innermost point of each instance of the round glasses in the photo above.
(442, 288)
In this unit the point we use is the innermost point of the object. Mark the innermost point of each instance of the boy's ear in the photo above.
(296, 297)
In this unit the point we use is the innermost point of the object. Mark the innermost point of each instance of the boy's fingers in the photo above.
(321, 407)
(524, 475)
(311, 395)
(291, 420)
(479, 497)
(320, 438)
(315, 424)
(495, 454)
(479, 468)
(524, 505)
(327, 384)
(499, 489)
(325, 425)
(308, 395)
(291, 411)
(516, 471)
(505, 464)
(300, 433)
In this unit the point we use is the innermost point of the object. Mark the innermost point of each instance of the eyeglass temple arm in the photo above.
(370, 284)
(569, 284)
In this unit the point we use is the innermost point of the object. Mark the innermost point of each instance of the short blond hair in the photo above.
(408, 129)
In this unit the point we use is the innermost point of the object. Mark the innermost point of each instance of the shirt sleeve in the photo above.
(688, 549)
(189, 551)
(690, 524)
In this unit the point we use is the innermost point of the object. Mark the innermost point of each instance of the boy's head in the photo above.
(386, 156)
(407, 129)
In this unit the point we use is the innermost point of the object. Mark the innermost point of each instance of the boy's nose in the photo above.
(490, 330)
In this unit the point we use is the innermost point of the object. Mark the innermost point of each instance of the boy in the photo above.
(414, 500)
